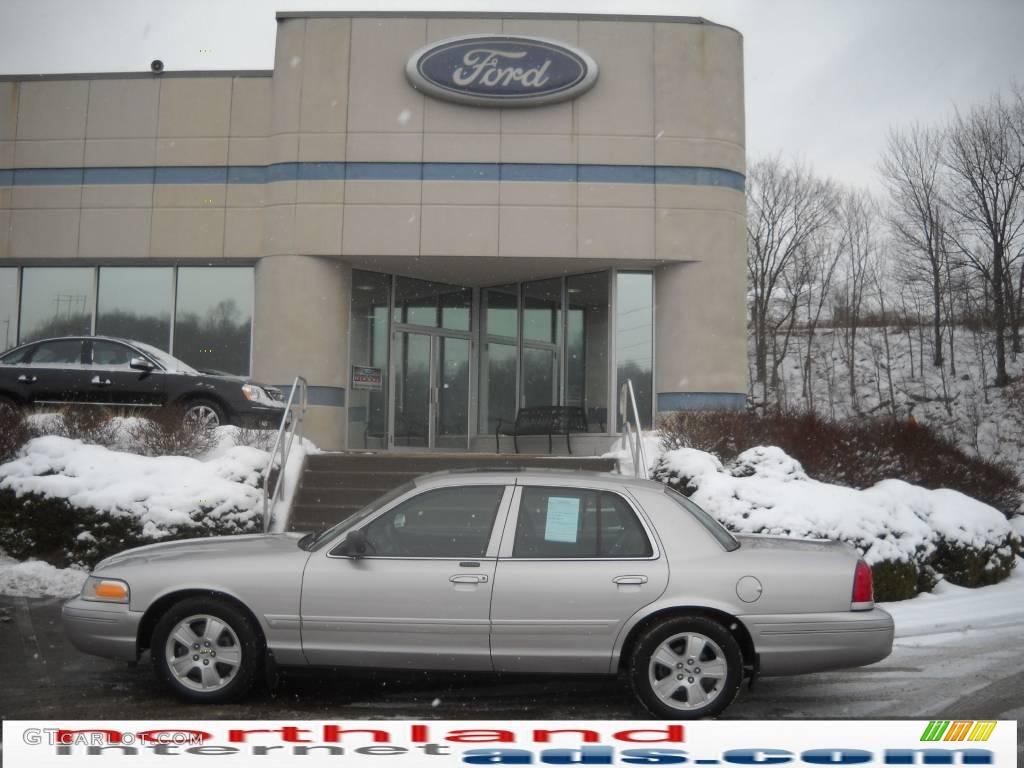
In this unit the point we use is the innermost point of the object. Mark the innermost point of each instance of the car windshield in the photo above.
(169, 363)
(312, 541)
(715, 528)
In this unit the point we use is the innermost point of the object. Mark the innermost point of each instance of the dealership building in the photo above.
(436, 219)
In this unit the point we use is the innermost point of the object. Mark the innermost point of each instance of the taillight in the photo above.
(863, 588)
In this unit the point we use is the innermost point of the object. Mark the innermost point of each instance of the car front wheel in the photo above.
(206, 650)
(686, 667)
(204, 413)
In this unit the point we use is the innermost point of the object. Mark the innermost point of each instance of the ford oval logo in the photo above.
(501, 70)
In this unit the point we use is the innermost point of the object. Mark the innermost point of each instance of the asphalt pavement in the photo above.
(974, 674)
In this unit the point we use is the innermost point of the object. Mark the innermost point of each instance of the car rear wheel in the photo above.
(206, 650)
(204, 413)
(686, 667)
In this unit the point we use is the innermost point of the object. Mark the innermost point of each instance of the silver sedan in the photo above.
(532, 571)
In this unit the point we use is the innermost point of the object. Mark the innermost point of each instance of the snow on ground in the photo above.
(766, 491)
(949, 608)
(34, 578)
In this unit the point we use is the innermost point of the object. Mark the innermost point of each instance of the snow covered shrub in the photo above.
(54, 530)
(14, 432)
(857, 453)
(900, 580)
(90, 424)
(166, 432)
(908, 534)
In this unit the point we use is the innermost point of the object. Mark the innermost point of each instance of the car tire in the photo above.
(686, 667)
(205, 412)
(207, 650)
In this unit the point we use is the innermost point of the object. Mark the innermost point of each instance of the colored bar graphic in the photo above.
(958, 730)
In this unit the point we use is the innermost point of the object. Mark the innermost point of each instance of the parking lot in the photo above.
(975, 675)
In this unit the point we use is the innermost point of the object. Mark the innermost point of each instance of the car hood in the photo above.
(215, 547)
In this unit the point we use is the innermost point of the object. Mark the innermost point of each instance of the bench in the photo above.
(542, 420)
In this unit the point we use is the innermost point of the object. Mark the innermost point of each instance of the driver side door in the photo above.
(420, 597)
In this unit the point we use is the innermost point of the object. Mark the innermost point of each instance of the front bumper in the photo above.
(816, 642)
(102, 629)
(259, 416)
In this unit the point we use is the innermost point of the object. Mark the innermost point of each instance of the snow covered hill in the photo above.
(984, 420)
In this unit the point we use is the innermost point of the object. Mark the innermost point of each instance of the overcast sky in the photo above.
(825, 78)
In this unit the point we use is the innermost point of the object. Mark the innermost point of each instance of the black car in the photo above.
(118, 373)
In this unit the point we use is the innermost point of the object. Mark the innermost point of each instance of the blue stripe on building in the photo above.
(369, 171)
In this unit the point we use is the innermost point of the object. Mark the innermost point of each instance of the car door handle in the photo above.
(630, 580)
(101, 382)
(468, 578)
(25, 379)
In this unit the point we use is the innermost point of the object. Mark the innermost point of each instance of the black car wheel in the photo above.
(204, 413)
(687, 667)
(207, 650)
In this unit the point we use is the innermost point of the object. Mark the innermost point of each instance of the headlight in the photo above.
(105, 590)
(257, 395)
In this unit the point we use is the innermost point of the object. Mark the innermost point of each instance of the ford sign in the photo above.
(501, 71)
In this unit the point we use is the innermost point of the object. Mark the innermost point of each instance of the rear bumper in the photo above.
(102, 629)
(816, 642)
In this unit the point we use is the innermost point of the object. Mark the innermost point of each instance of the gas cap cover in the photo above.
(748, 589)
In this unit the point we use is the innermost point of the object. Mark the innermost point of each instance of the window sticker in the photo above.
(563, 519)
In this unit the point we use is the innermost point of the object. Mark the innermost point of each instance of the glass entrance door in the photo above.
(430, 391)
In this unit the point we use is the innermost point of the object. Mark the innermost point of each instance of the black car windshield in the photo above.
(169, 363)
(326, 535)
(715, 528)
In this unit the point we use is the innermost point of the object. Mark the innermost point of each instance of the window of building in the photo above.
(8, 308)
(136, 303)
(634, 339)
(499, 356)
(56, 301)
(368, 353)
(586, 347)
(542, 335)
(447, 522)
(571, 523)
(213, 318)
(432, 305)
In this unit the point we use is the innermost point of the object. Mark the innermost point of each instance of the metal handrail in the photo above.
(291, 426)
(631, 432)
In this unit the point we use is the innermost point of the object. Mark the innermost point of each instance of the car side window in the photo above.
(18, 356)
(58, 352)
(446, 522)
(111, 355)
(577, 523)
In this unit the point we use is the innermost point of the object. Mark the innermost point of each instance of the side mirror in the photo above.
(354, 544)
(141, 364)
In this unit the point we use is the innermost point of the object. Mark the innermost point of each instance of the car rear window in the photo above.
(715, 528)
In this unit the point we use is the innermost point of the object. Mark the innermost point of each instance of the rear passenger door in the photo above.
(574, 565)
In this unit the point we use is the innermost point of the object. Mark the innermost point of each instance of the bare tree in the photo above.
(911, 168)
(985, 158)
(858, 216)
(786, 205)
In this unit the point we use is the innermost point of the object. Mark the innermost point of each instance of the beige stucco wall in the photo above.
(669, 94)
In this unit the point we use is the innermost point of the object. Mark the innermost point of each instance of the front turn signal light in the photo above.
(105, 590)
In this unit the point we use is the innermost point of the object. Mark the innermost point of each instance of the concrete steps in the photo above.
(334, 485)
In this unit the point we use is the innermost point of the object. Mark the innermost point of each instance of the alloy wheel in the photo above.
(203, 653)
(687, 671)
